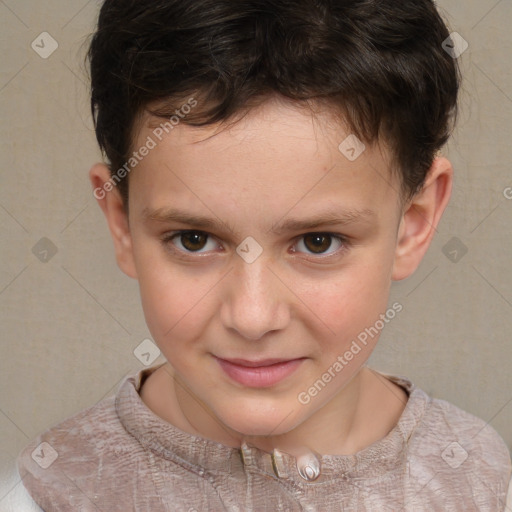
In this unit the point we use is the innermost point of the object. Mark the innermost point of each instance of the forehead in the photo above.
(276, 157)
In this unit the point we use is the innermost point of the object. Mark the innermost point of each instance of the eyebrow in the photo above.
(326, 218)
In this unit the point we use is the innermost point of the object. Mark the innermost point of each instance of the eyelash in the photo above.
(168, 237)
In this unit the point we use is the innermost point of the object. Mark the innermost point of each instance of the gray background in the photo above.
(71, 320)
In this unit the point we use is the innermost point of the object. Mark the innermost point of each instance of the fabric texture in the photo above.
(119, 456)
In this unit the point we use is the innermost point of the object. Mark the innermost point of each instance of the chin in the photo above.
(262, 424)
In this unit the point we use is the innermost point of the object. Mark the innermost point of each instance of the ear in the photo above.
(111, 203)
(421, 217)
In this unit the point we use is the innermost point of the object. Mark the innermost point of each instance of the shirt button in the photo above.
(308, 466)
(246, 453)
(278, 464)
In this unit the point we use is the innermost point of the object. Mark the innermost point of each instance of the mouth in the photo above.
(259, 374)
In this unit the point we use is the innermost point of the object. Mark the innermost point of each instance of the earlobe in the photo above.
(111, 203)
(421, 218)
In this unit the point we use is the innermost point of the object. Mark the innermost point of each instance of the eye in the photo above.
(318, 243)
(196, 242)
(190, 241)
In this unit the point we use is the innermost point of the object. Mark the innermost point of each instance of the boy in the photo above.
(273, 167)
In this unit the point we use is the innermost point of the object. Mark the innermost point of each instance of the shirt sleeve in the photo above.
(508, 505)
(17, 498)
(23, 502)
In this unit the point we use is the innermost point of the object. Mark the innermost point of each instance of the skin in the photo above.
(296, 300)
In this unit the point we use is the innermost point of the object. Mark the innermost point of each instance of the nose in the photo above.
(255, 303)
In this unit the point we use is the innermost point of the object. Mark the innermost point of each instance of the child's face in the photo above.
(303, 298)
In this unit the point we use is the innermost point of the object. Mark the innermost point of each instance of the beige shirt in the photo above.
(119, 456)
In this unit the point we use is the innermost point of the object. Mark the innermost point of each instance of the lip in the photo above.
(259, 374)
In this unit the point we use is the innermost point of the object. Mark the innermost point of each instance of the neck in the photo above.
(363, 412)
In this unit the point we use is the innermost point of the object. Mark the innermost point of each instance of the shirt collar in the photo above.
(201, 455)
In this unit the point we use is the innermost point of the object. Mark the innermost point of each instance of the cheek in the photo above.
(173, 306)
(172, 297)
(351, 306)
(352, 299)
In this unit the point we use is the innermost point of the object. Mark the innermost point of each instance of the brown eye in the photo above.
(193, 240)
(319, 243)
(188, 242)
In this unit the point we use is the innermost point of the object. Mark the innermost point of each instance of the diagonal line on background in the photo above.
(486, 14)
(14, 14)
(424, 279)
(489, 283)
(115, 387)
(13, 279)
(75, 15)
(75, 217)
(14, 218)
(9, 81)
(492, 82)
(76, 76)
(95, 300)
(13, 422)
(486, 217)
